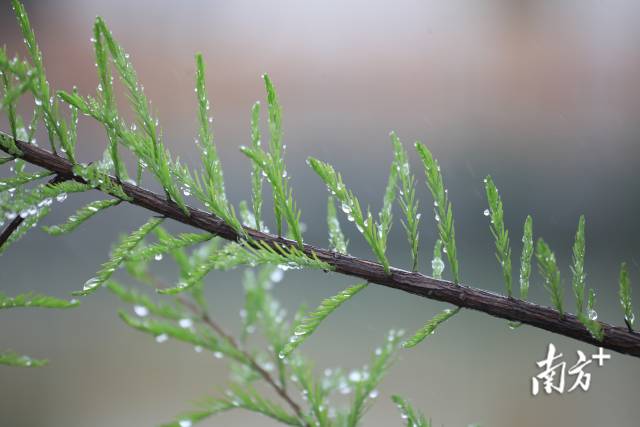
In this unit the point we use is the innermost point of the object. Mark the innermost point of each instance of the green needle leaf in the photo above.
(577, 269)
(525, 259)
(16, 360)
(408, 201)
(430, 327)
(442, 208)
(336, 237)
(500, 233)
(625, 296)
(120, 252)
(31, 299)
(550, 273)
(80, 216)
(310, 323)
(412, 417)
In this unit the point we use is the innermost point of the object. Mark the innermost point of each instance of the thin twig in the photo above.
(206, 319)
(13, 225)
(616, 338)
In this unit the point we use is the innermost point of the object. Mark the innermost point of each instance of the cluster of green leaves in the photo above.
(374, 232)
(184, 318)
(271, 165)
(29, 300)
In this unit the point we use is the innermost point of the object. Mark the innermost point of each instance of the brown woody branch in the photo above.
(618, 339)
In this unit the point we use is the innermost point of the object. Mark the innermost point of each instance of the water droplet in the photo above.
(281, 355)
(186, 191)
(158, 257)
(91, 284)
(218, 355)
(197, 349)
(11, 215)
(355, 376)
(437, 217)
(161, 338)
(486, 212)
(593, 315)
(374, 393)
(140, 310)
(38, 102)
(276, 275)
(185, 323)
(61, 197)
(185, 423)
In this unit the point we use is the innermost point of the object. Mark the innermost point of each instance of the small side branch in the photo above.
(616, 338)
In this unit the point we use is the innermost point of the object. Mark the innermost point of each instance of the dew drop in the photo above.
(91, 284)
(185, 423)
(374, 393)
(276, 275)
(185, 323)
(158, 257)
(162, 338)
(141, 310)
(61, 197)
(593, 315)
(218, 355)
(486, 212)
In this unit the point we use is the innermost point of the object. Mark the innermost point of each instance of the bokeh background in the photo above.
(542, 95)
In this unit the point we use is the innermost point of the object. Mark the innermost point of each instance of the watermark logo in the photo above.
(552, 378)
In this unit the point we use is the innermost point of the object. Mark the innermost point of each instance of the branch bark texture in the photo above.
(616, 338)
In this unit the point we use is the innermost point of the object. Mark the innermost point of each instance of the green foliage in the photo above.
(257, 253)
(500, 233)
(9, 358)
(118, 255)
(369, 379)
(412, 417)
(550, 273)
(408, 201)
(525, 258)
(589, 320)
(80, 216)
(27, 224)
(437, 264)
(21, 179)
(206, 409)
(337, 240)
(271, 165)
(209, 186)
(442, 208)
(47, 105)
(577, 269)
(36, 202)
(256, 174)
(182, 313)
(375, 233)
(430, 327)
(31, 299)
(625, 296)
(143, 304)
(167, 244)
(310, 323)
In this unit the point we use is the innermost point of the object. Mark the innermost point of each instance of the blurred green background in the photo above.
(542, 95)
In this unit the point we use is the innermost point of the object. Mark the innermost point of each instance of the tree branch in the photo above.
(618, 339)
